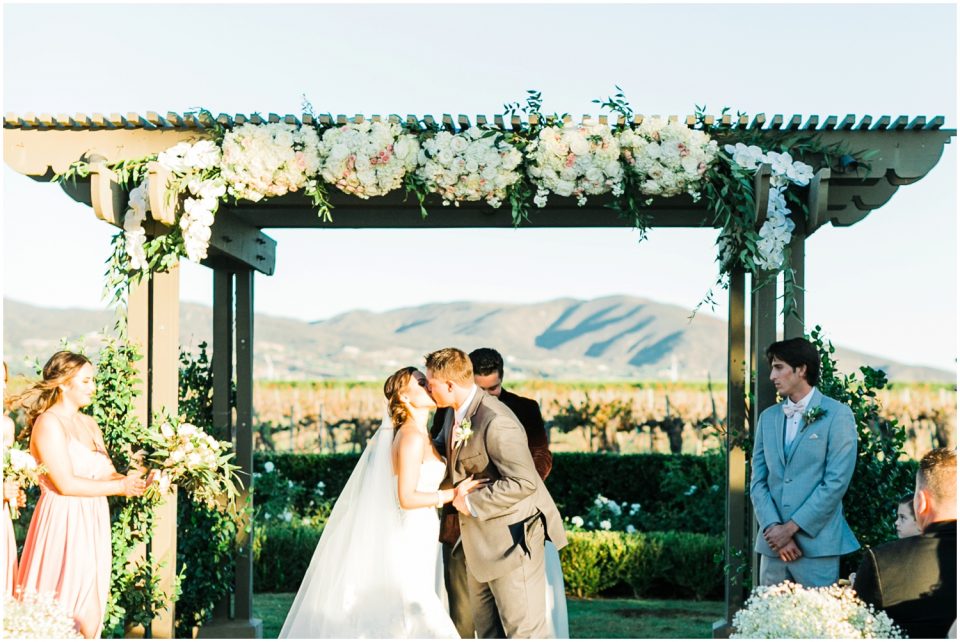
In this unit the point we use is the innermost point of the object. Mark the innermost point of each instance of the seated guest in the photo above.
(915, 579)
(906, 520)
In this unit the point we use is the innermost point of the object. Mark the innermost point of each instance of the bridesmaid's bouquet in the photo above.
(195, 461)
(789, 610)
(37, 616)
(20, 466)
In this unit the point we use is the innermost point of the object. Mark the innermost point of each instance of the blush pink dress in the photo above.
(8, 564)
(68, 545)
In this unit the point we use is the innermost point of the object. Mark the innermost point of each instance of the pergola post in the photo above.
(243, 596)
(153, 314)
(736, 550)
(226, 309)
(793, 323)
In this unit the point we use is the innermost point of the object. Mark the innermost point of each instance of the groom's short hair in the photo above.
(451, 364)
(797, 352)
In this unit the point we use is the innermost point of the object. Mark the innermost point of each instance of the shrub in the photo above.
(281, 555)
(592, 562)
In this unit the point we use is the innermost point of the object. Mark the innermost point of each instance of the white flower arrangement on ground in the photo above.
(37, 616)
(270, 159)
(195, 461)
(777, 229)
(20, 466)
(472, 165)
(368, 158)
(668, 158)
(789, 610)
(575, 160)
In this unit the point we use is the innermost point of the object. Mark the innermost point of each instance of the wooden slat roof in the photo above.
(193, 121)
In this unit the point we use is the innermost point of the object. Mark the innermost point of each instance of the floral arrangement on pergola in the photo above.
(633, 163)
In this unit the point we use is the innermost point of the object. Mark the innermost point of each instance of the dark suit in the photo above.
(914, 580)
(528, 412)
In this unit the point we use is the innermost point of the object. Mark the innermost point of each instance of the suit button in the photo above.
(787, 481)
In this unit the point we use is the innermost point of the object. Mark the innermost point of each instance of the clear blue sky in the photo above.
(887, 285)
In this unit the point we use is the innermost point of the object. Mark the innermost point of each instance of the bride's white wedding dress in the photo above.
(377, 568)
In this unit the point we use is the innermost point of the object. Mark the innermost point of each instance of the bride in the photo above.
(376, 571)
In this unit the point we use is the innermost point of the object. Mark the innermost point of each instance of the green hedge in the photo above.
(660, 565)
(660, 483)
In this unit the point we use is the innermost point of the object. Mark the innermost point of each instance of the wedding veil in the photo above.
(354, 582)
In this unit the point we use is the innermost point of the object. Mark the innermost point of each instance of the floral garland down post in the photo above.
(776, 231)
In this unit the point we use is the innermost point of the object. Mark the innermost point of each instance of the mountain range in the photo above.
(608, 338)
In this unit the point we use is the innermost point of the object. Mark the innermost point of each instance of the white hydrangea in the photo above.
(369, 158)
(577, 521)
(270, 159)
(575, 160)
(668, 158)
(789, 610)
(605, 524)
(472, 165)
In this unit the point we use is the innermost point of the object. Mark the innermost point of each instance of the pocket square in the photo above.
(814, 436)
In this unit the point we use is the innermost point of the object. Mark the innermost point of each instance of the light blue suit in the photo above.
(806, 483)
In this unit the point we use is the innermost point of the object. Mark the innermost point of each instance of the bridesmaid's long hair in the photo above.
(392, 388)
(39, 397)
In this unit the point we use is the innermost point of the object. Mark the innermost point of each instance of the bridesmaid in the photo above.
(12, 496)
(68, 545)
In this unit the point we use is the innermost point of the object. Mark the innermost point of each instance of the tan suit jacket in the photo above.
(515, 499)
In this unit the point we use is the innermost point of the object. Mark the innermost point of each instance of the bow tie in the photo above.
(790, 409)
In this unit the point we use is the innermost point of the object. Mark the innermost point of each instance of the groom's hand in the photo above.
(779, 535)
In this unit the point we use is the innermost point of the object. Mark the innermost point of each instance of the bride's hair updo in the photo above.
(393, 387)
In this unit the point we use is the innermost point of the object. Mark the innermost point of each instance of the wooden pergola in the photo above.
(41, 146)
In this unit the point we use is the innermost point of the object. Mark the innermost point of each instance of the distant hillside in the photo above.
(615, 337)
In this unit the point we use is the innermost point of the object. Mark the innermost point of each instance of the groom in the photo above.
(505, 522)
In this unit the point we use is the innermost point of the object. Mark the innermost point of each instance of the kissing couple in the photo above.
(377, 569)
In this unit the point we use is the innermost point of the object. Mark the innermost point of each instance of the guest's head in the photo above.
(67, 377)
(794, 366)
(487, 370)
(406, 391)
(935, 499)
(449, 376)
(906, 518)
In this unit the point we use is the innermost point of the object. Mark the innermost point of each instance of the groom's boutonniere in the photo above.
(462, 433)
(813, 414)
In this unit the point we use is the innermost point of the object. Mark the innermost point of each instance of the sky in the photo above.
(886, 286)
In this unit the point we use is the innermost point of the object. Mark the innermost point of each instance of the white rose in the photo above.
(177, 455)
(166, 430)
(458, 144)
(579, 144)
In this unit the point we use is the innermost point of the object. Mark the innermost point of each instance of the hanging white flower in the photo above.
(367, 159)
(574, 160)
(134, 234)
(472, 165)
(269, 160)
(747, 157)
(668, 158)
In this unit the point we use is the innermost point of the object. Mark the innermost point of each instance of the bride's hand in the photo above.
(470, 484)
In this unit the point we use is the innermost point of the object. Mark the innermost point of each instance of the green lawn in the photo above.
(601, 618)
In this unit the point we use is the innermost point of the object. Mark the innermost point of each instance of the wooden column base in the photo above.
(222, 628)
(722, 629)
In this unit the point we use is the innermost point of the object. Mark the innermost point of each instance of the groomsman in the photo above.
(488, 375)
(804, 454)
